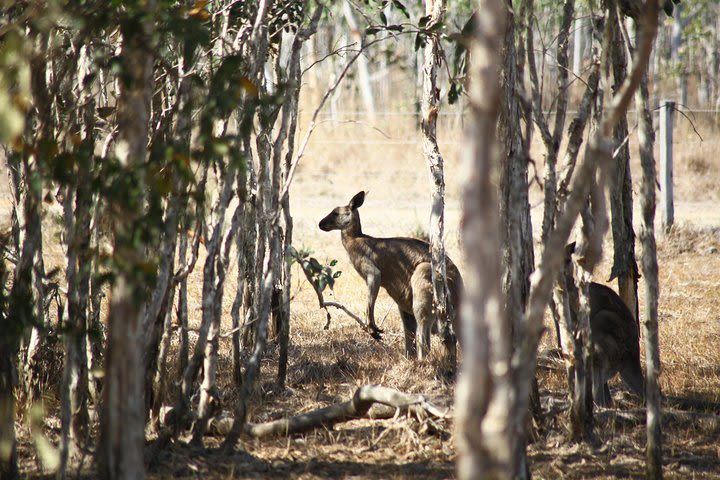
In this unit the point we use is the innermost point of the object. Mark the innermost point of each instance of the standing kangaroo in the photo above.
(402, 266)
(614, 335)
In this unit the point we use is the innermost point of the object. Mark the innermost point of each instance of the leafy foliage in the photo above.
(320, 276)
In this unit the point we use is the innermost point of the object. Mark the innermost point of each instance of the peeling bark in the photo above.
(435, 9)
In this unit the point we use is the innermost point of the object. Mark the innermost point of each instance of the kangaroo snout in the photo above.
(324, 225)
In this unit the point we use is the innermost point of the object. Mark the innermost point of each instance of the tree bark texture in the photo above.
(516, 236)
(213, 287)
(435, 9)
(484, 436)
(624, 264)
(551, 139)
(122, 439)
(649, 267)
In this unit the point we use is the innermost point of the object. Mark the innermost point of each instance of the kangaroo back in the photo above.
(615, 338)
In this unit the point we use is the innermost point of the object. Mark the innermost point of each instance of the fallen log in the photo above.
(356, 408)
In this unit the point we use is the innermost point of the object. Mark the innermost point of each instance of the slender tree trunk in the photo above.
(624, 264)
(435, 9)
(182, 307)
(39, 129)
(484, 439)
(365, 84)
(649, 267)
(213, 291)
(551, 202)
(241, 239)
(291, 108)
(516, 236)
(96, 332)
(206, 345)
(252, 366)
(75, 377)
(122, 439)
(159, 384)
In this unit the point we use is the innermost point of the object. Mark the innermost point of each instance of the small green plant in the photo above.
(320, 276)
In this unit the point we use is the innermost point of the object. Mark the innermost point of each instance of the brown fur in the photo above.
(402, 266)
(615, 338)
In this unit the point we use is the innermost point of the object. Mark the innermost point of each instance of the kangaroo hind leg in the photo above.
(422, 304)
(410, 327)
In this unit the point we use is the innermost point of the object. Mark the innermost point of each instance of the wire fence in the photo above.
(370, 119)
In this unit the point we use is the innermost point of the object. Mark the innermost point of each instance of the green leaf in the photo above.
(315, 265)
(419, 41)
(402, 8)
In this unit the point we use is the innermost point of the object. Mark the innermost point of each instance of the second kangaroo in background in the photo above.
(402, 266)
(615, 337)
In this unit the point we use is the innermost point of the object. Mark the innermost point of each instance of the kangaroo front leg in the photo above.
(373, 282)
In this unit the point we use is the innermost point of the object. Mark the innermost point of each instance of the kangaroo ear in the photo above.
(357, 200)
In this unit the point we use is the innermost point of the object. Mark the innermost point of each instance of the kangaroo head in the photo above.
(344, 217)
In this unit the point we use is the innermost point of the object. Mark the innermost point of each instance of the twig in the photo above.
(373, 333)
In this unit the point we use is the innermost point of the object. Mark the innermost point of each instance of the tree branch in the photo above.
(355, 408)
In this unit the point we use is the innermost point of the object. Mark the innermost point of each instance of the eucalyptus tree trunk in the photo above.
(39, 129)
(624, 264)
(364, 83)
(249, 264)
(212, 291)
(77, 205)
(209, 394)
(156, 314)
(435, 9)
(182, 305)
(649, 267)
(122, 439)
(516, 235)
(552, 140)
(242, 330)
(484, 436)
(287, 136)
(255, 49)
(252, 366)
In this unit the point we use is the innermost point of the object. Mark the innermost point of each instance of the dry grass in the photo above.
(327, 365)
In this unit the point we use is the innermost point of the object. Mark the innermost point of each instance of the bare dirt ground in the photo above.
(326, 366)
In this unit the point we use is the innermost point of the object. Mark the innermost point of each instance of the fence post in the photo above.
(666, 164)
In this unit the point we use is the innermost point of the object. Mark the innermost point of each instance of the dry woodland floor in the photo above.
(327, 365)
